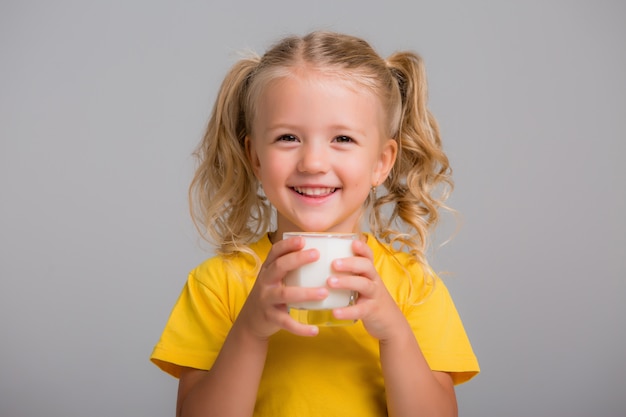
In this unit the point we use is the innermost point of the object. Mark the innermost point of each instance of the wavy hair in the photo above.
(226, 202)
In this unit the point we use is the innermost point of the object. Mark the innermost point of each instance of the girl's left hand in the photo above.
(375, 307)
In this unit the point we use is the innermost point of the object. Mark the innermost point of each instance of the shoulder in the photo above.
(238, 265)
(388, 257)
(404, 276)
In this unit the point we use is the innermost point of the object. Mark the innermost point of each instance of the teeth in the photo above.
(314, 191)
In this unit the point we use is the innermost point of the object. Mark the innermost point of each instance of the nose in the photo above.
(314, 159)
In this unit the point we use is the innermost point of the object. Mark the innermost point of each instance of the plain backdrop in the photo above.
(102, 103)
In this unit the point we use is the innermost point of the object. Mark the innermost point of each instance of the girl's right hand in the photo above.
(265, 310)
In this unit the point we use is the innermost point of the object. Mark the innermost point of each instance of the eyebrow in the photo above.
(334, 127)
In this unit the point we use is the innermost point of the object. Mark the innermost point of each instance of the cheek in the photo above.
(271, 168)
(359, 175)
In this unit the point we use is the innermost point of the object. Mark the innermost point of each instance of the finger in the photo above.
(300, 329)
(361, 249)
(284, 247)
(359, 264)
(355, 312)
(286, 258)
(281, 266)
(356, 265)
(282, 318)
(363, 286)
(290, 295)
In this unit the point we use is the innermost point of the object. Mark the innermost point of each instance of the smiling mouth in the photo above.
(314, 192)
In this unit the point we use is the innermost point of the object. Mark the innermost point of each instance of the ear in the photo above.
(387, 159)
(252, 156)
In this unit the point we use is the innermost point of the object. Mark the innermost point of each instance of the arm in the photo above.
(412, 388)
(230, 387)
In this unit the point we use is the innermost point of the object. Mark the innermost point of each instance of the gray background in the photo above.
(102, 102)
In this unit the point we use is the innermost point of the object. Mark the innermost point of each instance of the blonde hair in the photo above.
(226, 202)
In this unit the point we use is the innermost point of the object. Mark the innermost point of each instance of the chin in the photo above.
(331, 229)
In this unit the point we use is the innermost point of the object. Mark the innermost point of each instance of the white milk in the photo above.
(330, 246)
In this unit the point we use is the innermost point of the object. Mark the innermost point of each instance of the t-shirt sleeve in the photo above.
(196, 329)
(441, 335)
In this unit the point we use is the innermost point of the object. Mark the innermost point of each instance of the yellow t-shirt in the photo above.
(337, 372)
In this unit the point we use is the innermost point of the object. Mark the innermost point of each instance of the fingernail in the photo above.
(333, 280)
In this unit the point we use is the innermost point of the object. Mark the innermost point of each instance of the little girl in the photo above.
(316, 135)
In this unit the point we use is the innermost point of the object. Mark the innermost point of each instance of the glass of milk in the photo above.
(330, 246)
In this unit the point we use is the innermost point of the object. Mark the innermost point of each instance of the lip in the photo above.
(314, 191)
(314, 194)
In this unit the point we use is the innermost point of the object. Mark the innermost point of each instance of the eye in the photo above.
(343, 139)
(286, 138)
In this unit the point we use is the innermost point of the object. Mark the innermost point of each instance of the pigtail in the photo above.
(420, 180)
(223, 193)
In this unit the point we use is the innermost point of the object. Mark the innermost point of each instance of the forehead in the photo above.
(325, 77)
(308, 85)
(315, 99)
